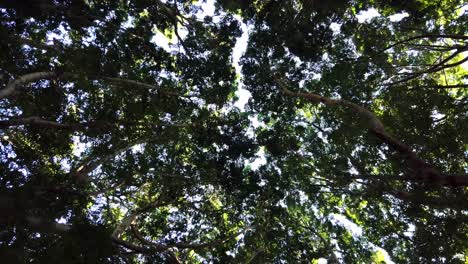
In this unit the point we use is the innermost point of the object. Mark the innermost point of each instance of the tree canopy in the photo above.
(121, 140)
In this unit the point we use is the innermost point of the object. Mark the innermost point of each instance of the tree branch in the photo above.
(125, 82)
(437, 47)
(37, 121)
(435, 68)
(461, 37)
(128, 220)
(213, 243)
(25, 79)
(151, 246)
(37, 76)
(449, 86)
(424, 171)
(90, 163)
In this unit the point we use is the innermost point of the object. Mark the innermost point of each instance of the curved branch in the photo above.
(460, 37)
(37, 76)
(81, 171)
(372, 120)
(128, 220)
(425, 172)
(149, 246)
(25, 79)
(158, 247)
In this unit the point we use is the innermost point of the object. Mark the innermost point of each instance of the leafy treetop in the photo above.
(117, 150)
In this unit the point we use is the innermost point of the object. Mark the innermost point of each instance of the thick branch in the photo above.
(32, 120)
(154, 247)
(372, 120)
(425, 172)
(36, 76)
(25, 79)
(37, 121)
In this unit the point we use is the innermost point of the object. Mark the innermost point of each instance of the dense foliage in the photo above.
(118, 149)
